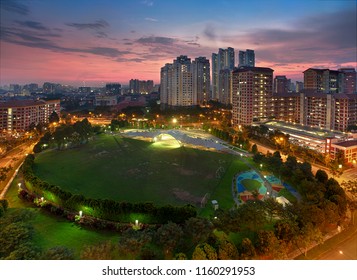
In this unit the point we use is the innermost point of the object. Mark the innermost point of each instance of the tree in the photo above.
(268, 245)
(247, 250)
(54, 117)
(132, 241)
(254, 149)
(251, 215)
(285, 231)
(103, 251)
(198, 229)
(4, 203)
(307, 236)
(227, 250)
(204, 252)
(25, 251)
(180, 256)
(321, 176)
(169, 235)
(272, 207)
(16, 235)
(58, 253)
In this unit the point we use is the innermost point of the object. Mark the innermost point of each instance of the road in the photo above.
(15, 157)
(347, 250)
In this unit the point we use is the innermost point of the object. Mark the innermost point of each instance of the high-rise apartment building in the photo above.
(165, 76)
(348, 80)
(287, 107)
(252, 89)
(18, 115)
(316, 109)
(113, 88)
(215, 73)
(246, 58)
(225, 86)
(344, 111)
(223, 60)
(179, 90)
(299, 86)
(142, 87)
(281, 84)
(201, 79)
(323, 80)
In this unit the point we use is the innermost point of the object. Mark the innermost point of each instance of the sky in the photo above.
(92, 42)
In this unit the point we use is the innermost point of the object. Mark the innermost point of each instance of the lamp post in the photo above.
(346, 255)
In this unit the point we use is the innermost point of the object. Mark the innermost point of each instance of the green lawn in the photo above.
(223, 191)
(251, 184)
(126, 169)
(51, 230)
(288, 195)
(132, 170)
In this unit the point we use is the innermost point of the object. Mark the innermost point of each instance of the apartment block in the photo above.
(19, 115)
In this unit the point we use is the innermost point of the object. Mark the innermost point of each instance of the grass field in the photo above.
(126, 169)
(251, 184)
(52, 230)
(132, 170)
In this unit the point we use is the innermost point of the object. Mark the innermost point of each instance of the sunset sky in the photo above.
(91, 42)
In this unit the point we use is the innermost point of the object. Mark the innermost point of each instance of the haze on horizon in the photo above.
(92, 42)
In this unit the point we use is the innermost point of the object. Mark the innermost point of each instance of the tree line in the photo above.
(66, 136)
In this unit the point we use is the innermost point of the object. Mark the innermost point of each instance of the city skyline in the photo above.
(94, 42)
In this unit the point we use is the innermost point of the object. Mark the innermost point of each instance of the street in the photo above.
(14, 158)
(347, 250)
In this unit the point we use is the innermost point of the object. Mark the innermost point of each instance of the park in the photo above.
(153, 183)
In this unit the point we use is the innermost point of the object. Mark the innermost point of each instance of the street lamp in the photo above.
(346, 255)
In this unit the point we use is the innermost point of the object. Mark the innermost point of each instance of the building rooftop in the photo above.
(346, 144)
(249, 68)
(304, 130)
(25, 103)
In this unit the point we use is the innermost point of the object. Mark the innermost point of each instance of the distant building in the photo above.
(348, 80)
(252, 90)
(31, 87)
(246, 58)
(84, 89)
(165, 78)
(19, 115)
(201, 82)
(113, 88)
(15, 88)
(176, 83)
(322, 80)
(142, 87)
(299, 86)
(225, 87)
(223, 60)
(51, 88)
(106, 100)
(281, 84)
